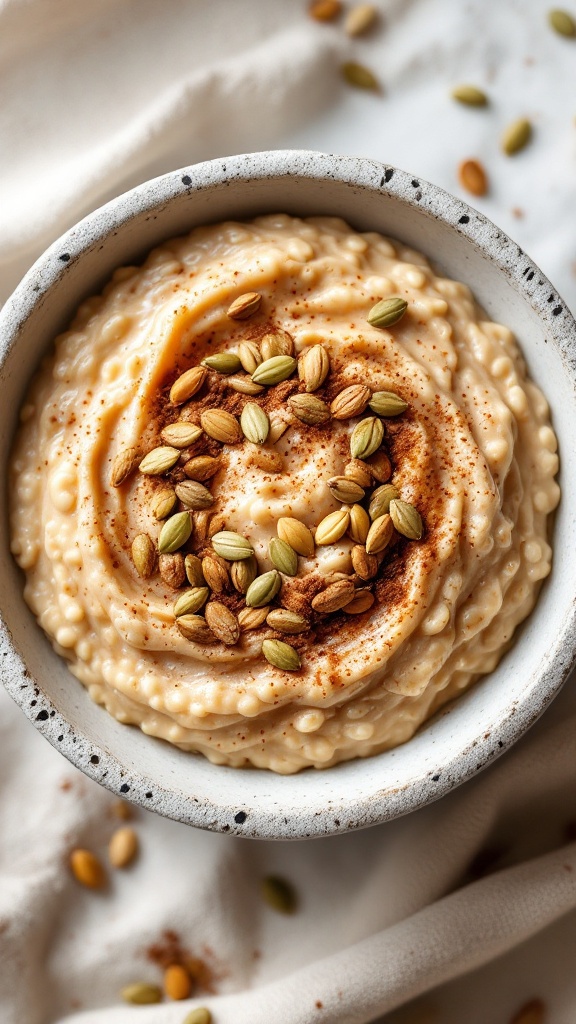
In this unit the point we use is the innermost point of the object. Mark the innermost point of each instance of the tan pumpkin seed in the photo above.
(469, 95)
(325, 10)
(222, 622)
(194, 495)
(379, 535)
(387, 403)
(252, 618)
(332, 527)
(124, 465)
(143, 555)
(216, 524)
(516, 136)
(345, 490)
(366, 437)
(266, 460)
(250, 356)
(87, 869)
(221, 426)
(278, 426)
(202, 467)
(360, 19)
(177, 982)
(180, 434)
(406, 519)
(274, 371)
(232, 546)
(562, 23)
(359, 524)
(298, 536)
(171, 569)
(473, 177)
(255, 423)
(245, 306)
(123, 847)
(313, 367)
(215, 572)
(159, 461)
(309, 409)
(380, 500)
(193, 570)
(361, 602)
(379, 466)
(283, 557)
(191, 601)
(163, 502)
(264, 589)
(360, 76)
(223, 362)
(336, 596)
(365, 566)
(245, 385)
(141, 993)
(358, 471)
(350, 402)
(243, 573)
(281, 655)
(186, 386)
(278, 343)
(200, 1015)
(174, 533)
(195, 628)
(202, 525)
(286, 621)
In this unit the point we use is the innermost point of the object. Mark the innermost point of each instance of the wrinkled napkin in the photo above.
(464, 910)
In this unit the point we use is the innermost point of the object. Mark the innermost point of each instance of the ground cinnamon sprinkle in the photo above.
(204, 971)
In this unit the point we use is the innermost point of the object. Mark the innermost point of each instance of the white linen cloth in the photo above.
(96, 97)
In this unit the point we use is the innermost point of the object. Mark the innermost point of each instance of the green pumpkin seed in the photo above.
(562, 23)
(516, 136)
(264, 589)
(274, 371)
(201, 1015)
(193, 569)
(387, 312)
(175, 532)
(406, 519)
(469, 95)
(191, 601)
(282, 656)
(359, 76)
(223, 362)
(255, 423)
(159, 460)
(366, 437)
(231, 546)
(380, 500)
(283, 557)
(141, 994)
(387, 403)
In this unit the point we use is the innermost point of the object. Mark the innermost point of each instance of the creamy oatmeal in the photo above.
(281, 492)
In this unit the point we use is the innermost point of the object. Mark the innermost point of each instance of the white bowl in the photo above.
(487, 719)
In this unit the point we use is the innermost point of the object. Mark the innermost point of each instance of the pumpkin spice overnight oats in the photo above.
(282, 492)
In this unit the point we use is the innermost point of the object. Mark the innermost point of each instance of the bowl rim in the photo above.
(492, 243)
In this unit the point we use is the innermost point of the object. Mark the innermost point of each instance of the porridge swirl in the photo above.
(281, 492)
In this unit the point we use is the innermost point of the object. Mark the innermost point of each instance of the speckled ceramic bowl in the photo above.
(485, 721)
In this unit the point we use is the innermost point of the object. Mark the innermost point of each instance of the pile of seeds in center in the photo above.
(197, 555)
